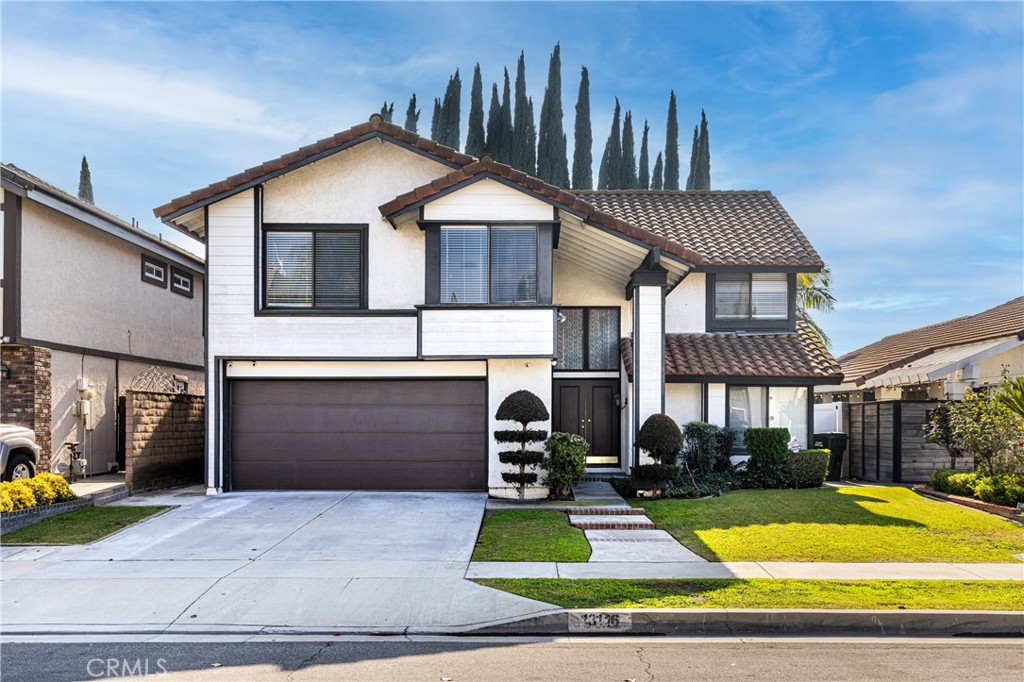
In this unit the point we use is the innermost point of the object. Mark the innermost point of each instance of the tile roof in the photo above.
(785, 356)
(31, 182)
(895, 350)
(488, 167)
(744, 228)
(372, 128)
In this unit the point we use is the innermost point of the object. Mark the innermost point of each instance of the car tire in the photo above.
(18, 467)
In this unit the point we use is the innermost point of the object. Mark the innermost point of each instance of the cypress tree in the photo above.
(609, 174)
(435, 121)
(627, 169)
(85, 182)
(552, 164)
(505, 148)
(694, 152)
(656, 182)
(703, 176)
(644, 178)
(524, 153)
(475, 141)
(412, 115)
(583, 155)
(672, 145)
(493, 145)
(451, 113)
(387, 113)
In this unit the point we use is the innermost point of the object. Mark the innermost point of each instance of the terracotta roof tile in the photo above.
(726, 227)
(791, 356)
(896, 350)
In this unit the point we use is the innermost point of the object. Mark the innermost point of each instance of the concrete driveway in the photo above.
(351, 561)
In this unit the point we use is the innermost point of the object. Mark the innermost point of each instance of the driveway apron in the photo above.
(365, 561)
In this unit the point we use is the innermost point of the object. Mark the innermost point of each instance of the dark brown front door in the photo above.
(588, 407)
(358, 435)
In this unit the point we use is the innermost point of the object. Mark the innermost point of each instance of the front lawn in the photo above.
(530, 535)
(767, 593)
(848, 524)
(79, 527)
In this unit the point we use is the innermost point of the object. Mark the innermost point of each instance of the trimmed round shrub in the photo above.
(807, 468)
(566, 464)
(524, 458)
(769, 450)
(661, 438)
(523, 407)
(520, 435)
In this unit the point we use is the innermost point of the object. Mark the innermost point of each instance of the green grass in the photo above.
(530, 535)
(849, 524)
(763, 593)
(79, 527)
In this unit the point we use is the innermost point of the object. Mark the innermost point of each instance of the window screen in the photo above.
(769, 299)
(732, 297)
(464, 264)
(314, 269)
(513, 265)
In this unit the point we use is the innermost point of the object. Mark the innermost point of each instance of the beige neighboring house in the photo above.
(936, 362)
(90, 304)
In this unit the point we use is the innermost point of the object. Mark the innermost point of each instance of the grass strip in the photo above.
(81, 526)
(767, 593)
(848, 524)
(530, 535)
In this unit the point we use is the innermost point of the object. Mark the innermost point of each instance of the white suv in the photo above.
(18, 452)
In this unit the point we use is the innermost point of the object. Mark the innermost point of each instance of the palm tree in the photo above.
(813, 292)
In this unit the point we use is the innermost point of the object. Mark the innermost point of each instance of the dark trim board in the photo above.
(67, 348)
(809, 382)
(757, 268)
(12, 264)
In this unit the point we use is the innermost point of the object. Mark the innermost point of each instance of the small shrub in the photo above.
(963, 483)
(940, 479)
(769, 450)
(50, 489)
(661, 438)
(21, 494)
(715, 483)
(1005, 489)
(657, 473)
(622, 485)
(807, 468)
(6, 503)
(567, 463)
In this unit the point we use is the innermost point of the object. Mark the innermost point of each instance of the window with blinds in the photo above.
(488, 264)
(314, 268)
(752, 296)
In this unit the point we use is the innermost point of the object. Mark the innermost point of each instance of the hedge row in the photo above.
(1004, 489)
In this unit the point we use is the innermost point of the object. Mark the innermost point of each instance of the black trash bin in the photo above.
(836, 445)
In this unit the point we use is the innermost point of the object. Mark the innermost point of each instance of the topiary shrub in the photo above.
(566, 464)
(769, 449)
(661, 438)
(522, 407)
(807, 468)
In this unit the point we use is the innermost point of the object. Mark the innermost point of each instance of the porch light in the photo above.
(5, 371)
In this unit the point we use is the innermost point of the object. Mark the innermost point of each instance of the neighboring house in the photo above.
(935, 362)
(373, 298)
(90, 303)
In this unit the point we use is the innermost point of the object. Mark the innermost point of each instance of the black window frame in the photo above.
(586, 336)
(178, 272)
(489, 227)
(714, 324)
(263, 308)
(156, 262)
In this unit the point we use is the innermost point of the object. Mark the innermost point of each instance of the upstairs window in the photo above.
(314, 267)
(483, 264)
(154, 271)
(181, 282)
(758, 300)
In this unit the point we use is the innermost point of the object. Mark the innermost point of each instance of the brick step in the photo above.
(611, 522)
(618, 510)
(107, 496)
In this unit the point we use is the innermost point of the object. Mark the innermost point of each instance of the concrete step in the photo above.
(611, 522)
(617, 510)
(109, 495)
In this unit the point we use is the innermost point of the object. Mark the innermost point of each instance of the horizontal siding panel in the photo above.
(487, 332)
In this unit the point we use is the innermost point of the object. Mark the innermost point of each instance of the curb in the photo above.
(703, 622)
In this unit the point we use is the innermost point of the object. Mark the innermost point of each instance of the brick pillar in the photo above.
(25, 397)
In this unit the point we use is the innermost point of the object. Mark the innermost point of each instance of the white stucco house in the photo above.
(373, 297)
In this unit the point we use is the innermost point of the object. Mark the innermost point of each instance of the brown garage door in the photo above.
(358, 435)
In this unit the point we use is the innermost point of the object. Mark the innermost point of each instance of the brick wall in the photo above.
(163, 440)
(25, 397)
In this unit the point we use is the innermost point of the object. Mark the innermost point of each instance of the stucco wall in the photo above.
(992, 368)
(575, 285)
(503, 378)
(488, 198)
(83, 287)
(683, 402)
(686, 305)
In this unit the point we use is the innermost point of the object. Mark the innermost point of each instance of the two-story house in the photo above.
(373, 297)
(91, 303)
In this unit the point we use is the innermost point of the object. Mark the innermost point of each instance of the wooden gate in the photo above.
(887, 442)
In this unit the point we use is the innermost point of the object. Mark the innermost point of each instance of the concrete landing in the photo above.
(643, 546)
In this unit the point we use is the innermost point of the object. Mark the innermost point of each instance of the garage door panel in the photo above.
(359, 434)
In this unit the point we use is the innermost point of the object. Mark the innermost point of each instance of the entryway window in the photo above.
(488, 264)
(588, 339)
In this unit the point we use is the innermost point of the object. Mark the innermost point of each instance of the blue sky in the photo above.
(893, 133)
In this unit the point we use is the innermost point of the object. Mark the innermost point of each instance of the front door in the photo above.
(588, 407)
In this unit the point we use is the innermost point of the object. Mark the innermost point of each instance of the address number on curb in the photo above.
(597, 621)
